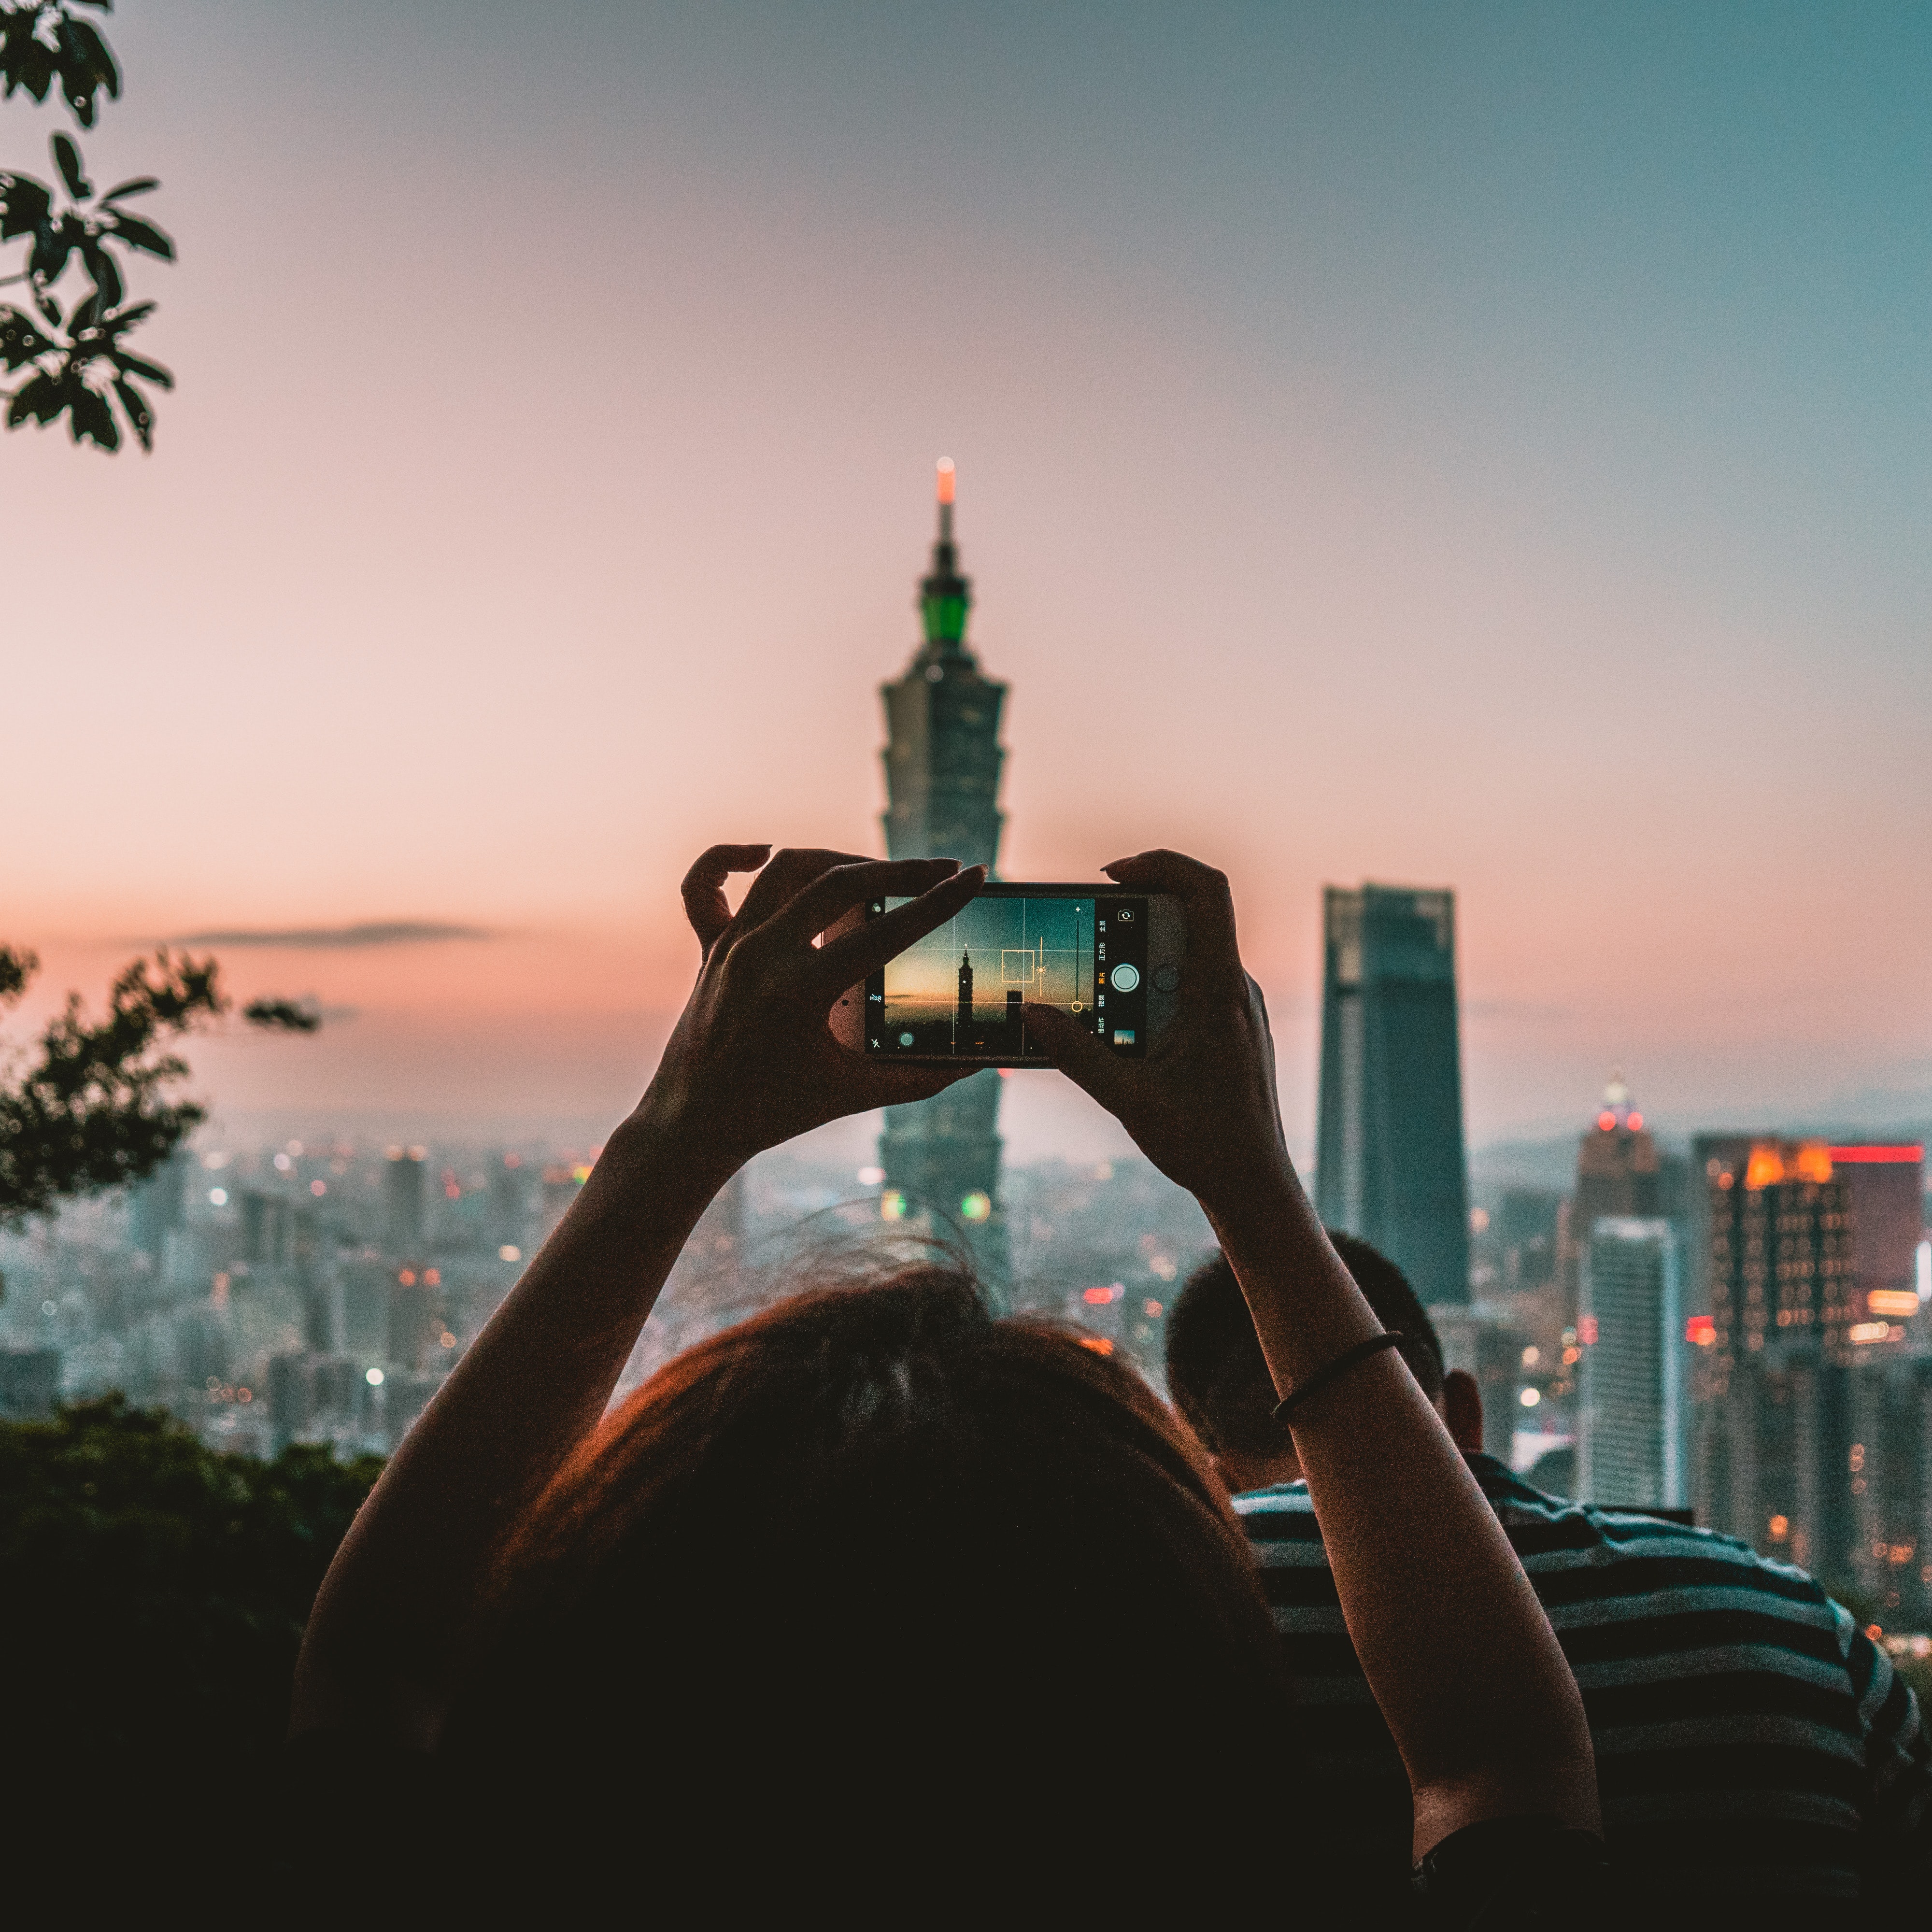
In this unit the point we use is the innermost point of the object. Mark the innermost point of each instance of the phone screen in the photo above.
(958, 993)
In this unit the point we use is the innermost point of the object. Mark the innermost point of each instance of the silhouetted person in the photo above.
(1752, 1743)
(875, 1603)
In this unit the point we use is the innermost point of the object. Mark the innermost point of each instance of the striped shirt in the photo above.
(1749, 1738)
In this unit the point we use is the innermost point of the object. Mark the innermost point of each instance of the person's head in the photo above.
(1220, 1383)
(882, 1562)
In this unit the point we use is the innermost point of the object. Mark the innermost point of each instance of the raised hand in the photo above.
(752, 1061)
(1202, 1106)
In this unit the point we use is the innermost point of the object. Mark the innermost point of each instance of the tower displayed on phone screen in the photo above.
(942, 762)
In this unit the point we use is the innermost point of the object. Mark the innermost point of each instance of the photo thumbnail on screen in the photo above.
(959, 993)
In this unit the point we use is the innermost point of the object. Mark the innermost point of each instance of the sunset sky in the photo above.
(1485, 446)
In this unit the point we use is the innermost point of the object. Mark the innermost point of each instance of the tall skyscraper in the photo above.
(943, 760)
(1389, 1155)
(403, 1202)
(1630, 1446)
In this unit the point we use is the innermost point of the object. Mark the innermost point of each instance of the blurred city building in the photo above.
(158, 1206)
(943, 761)
(1632, 1401)
(1813, 1381)
(403, 1200)
(1389, 1157)
(1621, 1172)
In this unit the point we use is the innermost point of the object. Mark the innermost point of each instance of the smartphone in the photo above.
(1111, 959)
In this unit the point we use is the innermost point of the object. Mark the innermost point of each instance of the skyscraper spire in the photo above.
(942, 766)
(945, 596)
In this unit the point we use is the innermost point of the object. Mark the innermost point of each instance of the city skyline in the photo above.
(1407, 448)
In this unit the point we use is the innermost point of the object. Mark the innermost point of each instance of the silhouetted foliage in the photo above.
(43, 40)
(93, 1111)
(75, 355)
(153, 1593)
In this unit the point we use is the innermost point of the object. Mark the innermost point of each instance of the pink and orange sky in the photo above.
(1480, 447)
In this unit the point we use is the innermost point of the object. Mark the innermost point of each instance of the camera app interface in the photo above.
(958, 992)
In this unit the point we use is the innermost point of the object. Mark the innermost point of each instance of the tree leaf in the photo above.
(141, 419)
(140, 184)
(20, 341)
(122, 319)
(36, 72)
(40, 397)
(139, 234)
(89, 419)
(52, 246)
(106, 276)
(98, 55)
(134, 366)
(25, 203)
(85, 67)
(67, 158)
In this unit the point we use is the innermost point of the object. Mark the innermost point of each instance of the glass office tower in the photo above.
(1389, 1154)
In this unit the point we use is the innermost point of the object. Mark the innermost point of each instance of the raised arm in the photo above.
(1456, 1647)
(752, 1062)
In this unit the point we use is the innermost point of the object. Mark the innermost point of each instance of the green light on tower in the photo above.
(945, 596)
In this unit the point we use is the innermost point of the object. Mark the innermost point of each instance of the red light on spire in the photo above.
(1607, 1121)
(1636, 1122)
(946, 476)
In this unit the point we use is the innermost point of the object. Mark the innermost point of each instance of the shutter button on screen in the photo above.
(1124, 979)
(1166, 978)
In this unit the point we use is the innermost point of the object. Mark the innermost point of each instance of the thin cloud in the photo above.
(335, 938)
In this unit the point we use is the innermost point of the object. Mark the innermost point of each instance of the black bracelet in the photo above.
(1340, 1366)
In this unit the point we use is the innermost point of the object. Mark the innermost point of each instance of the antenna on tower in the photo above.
(947, 474)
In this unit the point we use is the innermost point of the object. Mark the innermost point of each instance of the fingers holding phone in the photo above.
(1202, 1105)
(751, 1062)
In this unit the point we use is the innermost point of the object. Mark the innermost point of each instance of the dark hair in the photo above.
(1215, 1370)
(875, 1565)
